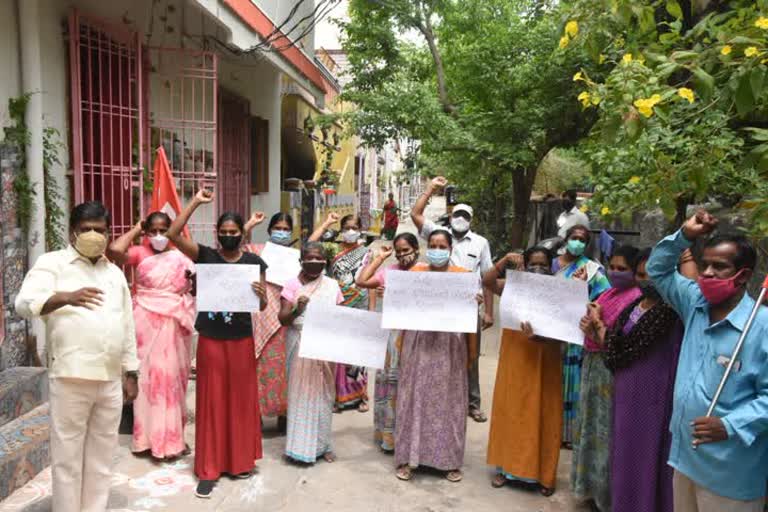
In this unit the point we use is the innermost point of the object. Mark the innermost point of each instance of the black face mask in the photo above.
(313, 268)
(536, 269)
(230, 243)
(648, 290)
(568, 205)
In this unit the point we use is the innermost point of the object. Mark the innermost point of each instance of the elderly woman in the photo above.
(572, 264)
(592, 434)
(406, 250)
(432, 396)
(311, 383)
(346, 259)
(524, 447)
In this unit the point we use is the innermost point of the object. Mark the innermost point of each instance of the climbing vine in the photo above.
(17, 134)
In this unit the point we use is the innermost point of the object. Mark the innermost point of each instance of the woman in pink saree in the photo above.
(164, 313)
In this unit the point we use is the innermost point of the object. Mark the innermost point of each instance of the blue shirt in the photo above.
(736, 468)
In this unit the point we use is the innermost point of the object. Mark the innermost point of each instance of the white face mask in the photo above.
(350, 236)
(159, 242)
(460, 224)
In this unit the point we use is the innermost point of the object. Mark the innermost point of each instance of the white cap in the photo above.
(464, 208)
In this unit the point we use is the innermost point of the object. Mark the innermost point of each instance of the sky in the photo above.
(326, 32)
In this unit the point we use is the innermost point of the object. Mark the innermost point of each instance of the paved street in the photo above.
(361, 480)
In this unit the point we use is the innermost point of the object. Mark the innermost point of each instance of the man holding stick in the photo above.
(720, 461)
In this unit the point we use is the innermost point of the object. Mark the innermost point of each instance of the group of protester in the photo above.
(659, 330)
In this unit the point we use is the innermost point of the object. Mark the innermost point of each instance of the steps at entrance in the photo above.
(24, 449)
(21, 390)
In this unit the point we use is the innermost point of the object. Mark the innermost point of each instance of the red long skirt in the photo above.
(227, 421)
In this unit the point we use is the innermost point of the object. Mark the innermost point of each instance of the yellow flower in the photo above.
(645, 105)
(726, 50)
(564, 42)
(602, 58)
(686, 93)
(751, 51)
(578, 76)
(596, 99)
(634, 180)
(627, 58)
(762, 22)
(584, 208)
(572, 28)
(585, 99)
(605, 211)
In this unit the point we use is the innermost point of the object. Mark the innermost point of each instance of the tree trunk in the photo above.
(442, 90)
(522, 184)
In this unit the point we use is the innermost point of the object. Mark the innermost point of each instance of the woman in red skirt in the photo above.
(227, 420)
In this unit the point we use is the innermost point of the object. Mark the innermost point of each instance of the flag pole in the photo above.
(739, 344)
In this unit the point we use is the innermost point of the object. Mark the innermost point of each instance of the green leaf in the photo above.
(683, 56)
(745, 101)
(674, 9)
(705, 83)
(759, 134)
(756, 80)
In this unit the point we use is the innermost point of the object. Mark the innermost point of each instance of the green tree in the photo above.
(483, 92)
(679, 88)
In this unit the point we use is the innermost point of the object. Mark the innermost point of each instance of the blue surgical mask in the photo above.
(438, 257)
(280, 237)
(576, 247)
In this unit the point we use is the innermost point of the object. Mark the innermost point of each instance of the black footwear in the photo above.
(205, 488)
(243, 476)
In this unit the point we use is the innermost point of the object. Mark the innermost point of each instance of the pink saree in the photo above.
(164, 313)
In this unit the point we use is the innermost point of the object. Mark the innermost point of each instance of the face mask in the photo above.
(159, 242)
(91, 244)
(350, 236)
(438, 257)
(230, 243)
(717, 291)
(568, 205)
(280, 237)
(313, 268)
(460, 224)
(538, 269)
(576, 247)
(406, 260)
(622, 280)
(649, 290)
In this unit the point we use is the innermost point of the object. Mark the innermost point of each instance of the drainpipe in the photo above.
(31, 82)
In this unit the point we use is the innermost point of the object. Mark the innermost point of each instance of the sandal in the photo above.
(336, 409)
(404, 472)
(363, 407)
(454, 476)
(546, 491)
(329, 457)
(478, 415)
(499, 481)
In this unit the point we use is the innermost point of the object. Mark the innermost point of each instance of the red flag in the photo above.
(164, 196)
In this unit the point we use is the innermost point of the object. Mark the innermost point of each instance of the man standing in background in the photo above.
(571, 215)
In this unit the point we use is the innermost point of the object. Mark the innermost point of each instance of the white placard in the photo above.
(227, 287)
(431, 301)
(551, 304)
(282, 263)
(343, 335)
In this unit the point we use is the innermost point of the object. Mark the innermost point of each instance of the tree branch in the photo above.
(425, 27)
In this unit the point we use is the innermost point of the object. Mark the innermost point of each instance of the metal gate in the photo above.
(235, 154)
(107, 110)
(183, 118)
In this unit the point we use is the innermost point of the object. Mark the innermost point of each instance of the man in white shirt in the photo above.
(472, 252)
(571, 215)
(85, 303)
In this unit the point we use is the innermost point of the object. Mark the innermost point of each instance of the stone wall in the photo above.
(13, 262)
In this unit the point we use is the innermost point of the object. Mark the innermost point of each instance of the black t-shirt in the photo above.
(224, 325)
